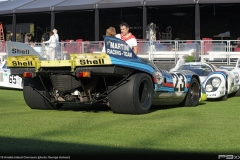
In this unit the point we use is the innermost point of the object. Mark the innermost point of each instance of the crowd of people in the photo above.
(26, 37)
(50, 40)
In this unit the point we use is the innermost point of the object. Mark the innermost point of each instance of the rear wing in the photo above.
(180, 62)
(227, 68)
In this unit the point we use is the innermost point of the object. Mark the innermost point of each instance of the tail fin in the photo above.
(21, 49)
(180, 62)
(238, 63)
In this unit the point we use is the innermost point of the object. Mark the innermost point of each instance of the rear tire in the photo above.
(192, 97)
(132, 96)
(33, 99)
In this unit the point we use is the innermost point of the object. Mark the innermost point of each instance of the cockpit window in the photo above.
(201, 70)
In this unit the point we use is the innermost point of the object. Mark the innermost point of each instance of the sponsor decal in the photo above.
(91, 61)
(120, 46)
(180, 82)
(118, 49)
(19, 51)
(22, 63)
(159, 78)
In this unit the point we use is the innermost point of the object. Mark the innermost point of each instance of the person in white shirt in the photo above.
(58, 48)
(51, 49)
(56, 34)
(128, 37)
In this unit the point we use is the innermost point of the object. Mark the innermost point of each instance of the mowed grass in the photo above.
(210, 128)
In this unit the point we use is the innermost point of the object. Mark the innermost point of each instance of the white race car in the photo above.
(218, 82)
(7, 80)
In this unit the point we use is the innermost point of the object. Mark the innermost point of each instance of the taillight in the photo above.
(27, 74)
(154, 79)
(84, 74)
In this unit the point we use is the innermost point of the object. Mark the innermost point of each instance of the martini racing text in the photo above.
(119, 49)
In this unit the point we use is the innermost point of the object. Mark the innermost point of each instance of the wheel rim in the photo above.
(144, 92)
(194, 92)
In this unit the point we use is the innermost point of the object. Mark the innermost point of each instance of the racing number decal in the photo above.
(12, 79)
(179, 81)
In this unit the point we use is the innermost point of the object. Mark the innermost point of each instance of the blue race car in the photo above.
(116, 77)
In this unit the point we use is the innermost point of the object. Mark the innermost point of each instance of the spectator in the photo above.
(111, 31)
(51, 49)
(238, 42)
(128, 37)
(45, 36)
(26, 38)
(56, 34)
(11, 37)
(32, 44)
(31, 38)
(58, 48)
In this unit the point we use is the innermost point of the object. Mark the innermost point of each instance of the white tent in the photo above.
(29, 6)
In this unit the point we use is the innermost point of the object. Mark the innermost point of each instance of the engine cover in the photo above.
(65, 82)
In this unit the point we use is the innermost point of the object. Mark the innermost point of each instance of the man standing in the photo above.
(58, 48)
(45, 36)
(51, 49)
(56, 34)
(128, 37)
(11, 37)
(26, 38)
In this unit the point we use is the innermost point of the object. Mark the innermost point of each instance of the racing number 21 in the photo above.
(12, 79)
(180, 83)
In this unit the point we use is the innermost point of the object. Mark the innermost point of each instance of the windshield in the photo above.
(201, 70)
(213, 66)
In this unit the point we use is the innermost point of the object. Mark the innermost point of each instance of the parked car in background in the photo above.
(218, 82)
(7, 80)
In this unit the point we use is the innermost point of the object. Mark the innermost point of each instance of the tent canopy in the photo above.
(119, 4)
(168, 2)
(8, 7)
(76, 5)
(26, 6)
(38, 6)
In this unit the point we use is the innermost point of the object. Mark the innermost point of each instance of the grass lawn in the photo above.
(212, 128)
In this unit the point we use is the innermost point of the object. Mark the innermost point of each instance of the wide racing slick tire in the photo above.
(192, 97)
(132, 96)
(33, 98)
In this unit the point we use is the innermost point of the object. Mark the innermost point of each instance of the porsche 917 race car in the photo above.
(218, 82)
(117, 78)
(7, 80)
